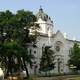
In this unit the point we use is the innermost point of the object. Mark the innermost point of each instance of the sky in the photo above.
(64, 13)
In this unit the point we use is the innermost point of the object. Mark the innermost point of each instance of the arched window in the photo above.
(58, 45)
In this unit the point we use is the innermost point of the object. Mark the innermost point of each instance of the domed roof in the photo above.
(42, 15)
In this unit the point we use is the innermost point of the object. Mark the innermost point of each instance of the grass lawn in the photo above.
(74, 78)
(56, 78)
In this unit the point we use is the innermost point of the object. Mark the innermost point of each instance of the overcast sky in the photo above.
(64, 13)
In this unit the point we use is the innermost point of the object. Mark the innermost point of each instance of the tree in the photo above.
(11, 51)
(14, 57)
(13, 26)
(47, 59)
(74, 55)
(27, 21)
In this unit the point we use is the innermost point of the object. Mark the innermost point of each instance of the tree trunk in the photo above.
(9, 70)
(27, 73)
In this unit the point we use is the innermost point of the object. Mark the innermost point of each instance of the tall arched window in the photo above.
(58, 45)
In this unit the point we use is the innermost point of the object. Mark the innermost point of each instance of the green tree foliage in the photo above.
(14, 35)
(47, 59)
(26, 18)
(12, 52)
(74, 57)
(14, 57)
(13, 24)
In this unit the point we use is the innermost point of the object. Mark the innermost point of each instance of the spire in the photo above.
(40, 7)
(40, 10)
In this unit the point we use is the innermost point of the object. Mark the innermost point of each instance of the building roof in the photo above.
(73, 41)
(42, 15)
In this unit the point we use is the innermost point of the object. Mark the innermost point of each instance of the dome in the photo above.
(42, 15)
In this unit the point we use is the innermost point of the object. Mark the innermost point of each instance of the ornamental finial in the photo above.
(41, 8)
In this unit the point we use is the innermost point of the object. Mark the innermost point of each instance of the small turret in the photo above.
(45, 22)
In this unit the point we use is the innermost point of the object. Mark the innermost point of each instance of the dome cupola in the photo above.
(42, 15)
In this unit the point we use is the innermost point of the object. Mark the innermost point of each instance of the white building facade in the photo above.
(59, 44)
